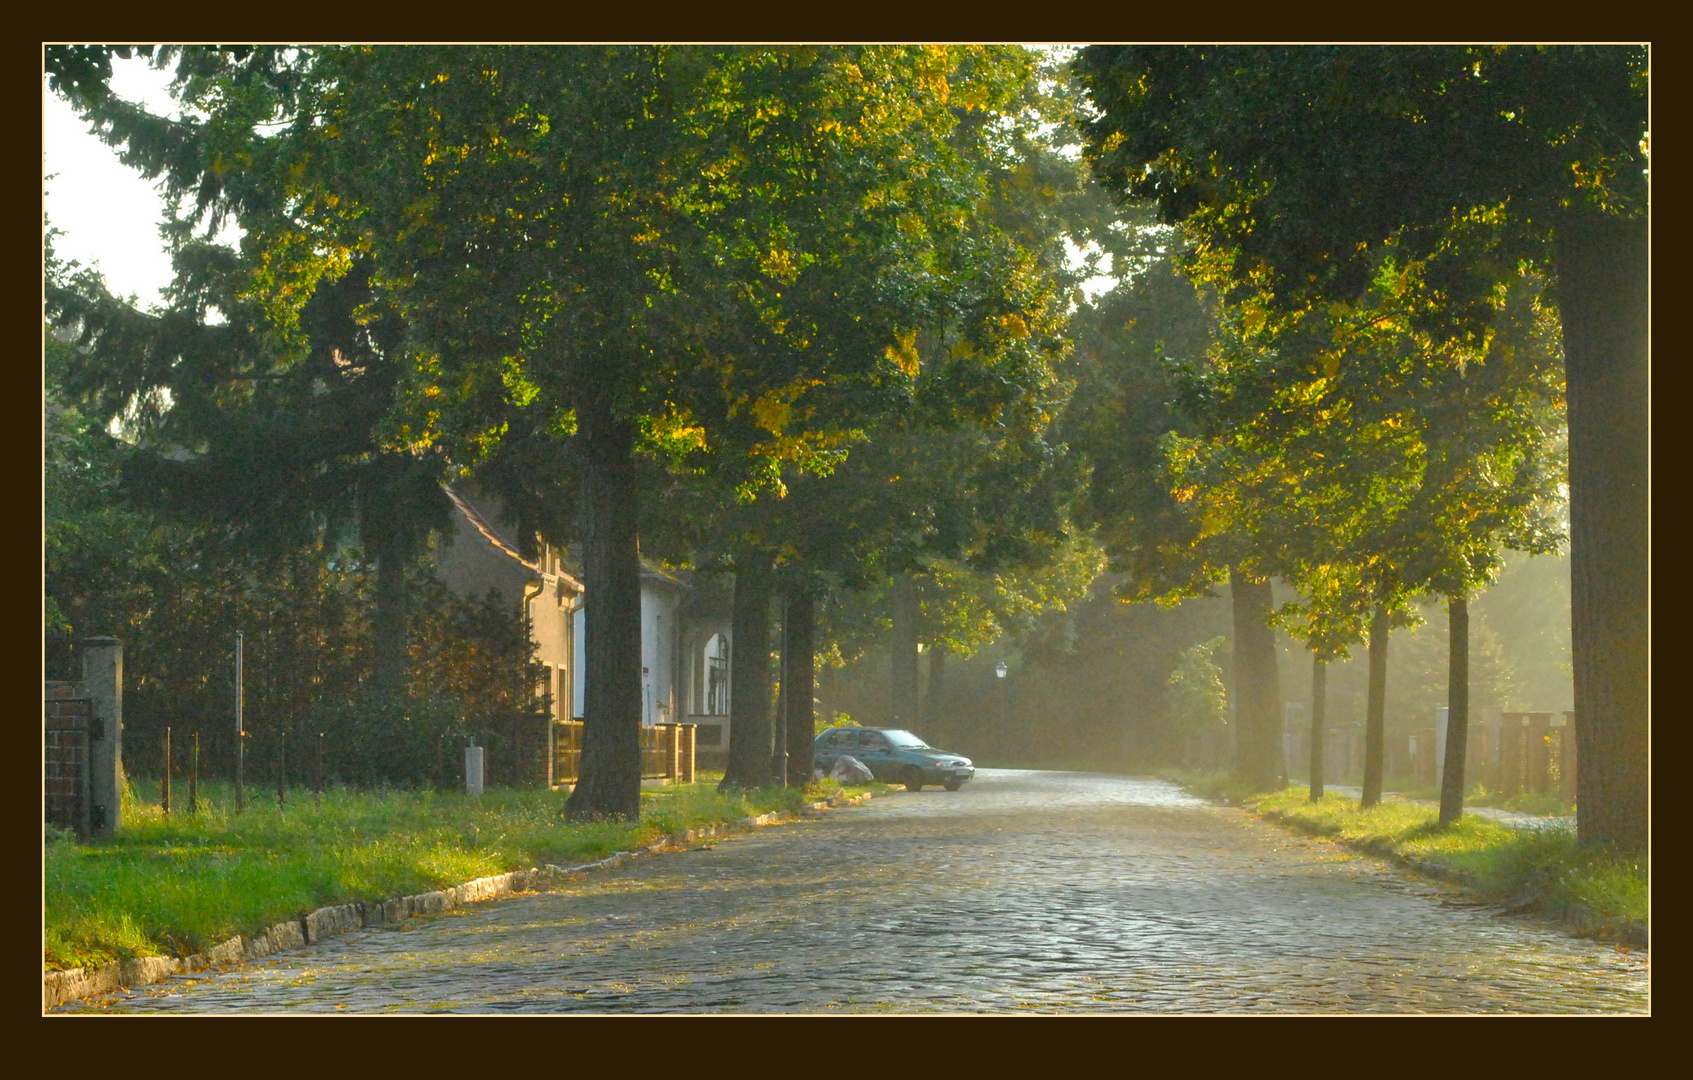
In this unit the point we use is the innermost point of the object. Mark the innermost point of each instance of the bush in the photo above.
(378, 741)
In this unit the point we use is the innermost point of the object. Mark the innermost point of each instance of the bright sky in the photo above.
(110, 216)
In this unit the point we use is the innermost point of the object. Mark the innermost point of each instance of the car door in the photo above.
(829, 747)
(877, 754)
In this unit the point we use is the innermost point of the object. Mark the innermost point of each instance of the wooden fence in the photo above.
(1519, 753)
(1533, 755)
(667, 752)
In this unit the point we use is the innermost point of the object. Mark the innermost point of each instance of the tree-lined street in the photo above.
(1272, 420)
(1027, 891)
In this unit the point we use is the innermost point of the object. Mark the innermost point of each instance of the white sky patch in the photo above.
(108, 214)
(1102, 282)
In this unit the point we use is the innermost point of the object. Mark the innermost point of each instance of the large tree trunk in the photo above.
(1257, 686)
(904, 650)
(749, 676)
(935, 706)
(1319, 723)
(1457, 710)
(391, 655)
(609, 784)
(798, 684)
(1604, 300)
(1376, 711)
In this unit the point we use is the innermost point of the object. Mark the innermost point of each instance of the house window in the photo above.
(717, 676)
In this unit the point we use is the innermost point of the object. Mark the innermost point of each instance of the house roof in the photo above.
(490, 534)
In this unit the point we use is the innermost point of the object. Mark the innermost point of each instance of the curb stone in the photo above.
(72, 984)
(1577, 917)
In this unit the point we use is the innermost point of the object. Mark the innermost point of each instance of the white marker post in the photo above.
(473, 769)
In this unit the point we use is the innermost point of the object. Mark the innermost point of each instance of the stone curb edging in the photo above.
(58, 987)
(1577, 917)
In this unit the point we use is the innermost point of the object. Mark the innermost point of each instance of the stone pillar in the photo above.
(1511, 754)
(473, 770)
(1566, 757)
(102, 681)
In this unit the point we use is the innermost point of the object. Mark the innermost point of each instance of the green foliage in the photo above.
(1383, 406)
(839, 719)
(1195, 700)
(1276, 158)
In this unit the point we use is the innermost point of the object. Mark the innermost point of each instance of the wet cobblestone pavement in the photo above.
(1026, 891)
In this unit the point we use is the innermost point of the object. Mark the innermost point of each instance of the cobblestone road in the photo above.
(1026, 891)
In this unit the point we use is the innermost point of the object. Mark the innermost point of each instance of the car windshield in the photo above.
(905, 740)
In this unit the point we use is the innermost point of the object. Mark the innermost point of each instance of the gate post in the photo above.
(1537, 755)
(1566, 757)
(102, 681)
(1511, 754)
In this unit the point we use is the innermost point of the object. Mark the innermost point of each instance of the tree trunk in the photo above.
(1604, 301)
(935, 707)
(799, 684)
(1374, 716)
(1319, 722)
(749, 676)
(609, 783)
(1257, 686)
(390, 673)
(904, 650)
(1457, 710)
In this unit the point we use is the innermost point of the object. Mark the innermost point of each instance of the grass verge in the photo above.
(1541, 870)
(1219, 785)
(179, 884)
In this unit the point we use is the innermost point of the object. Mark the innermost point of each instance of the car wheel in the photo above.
(954, 785)
(913, 779)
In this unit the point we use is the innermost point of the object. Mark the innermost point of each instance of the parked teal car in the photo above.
(894, 757)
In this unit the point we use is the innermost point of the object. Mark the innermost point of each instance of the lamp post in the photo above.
(1000, 671)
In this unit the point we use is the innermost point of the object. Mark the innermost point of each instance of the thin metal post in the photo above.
(240, 731)
(167, 772)
(194, 778)
(281, 770)
(320, 753)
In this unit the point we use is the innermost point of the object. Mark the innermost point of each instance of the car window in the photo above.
(905, 740)
(872, 740)
(838, 738)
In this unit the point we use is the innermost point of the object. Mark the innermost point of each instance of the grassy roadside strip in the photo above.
(171, 886)
(1525, 870)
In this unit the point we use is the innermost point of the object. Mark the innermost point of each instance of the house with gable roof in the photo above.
(685, 625)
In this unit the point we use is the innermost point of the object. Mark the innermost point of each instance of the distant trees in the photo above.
(1196, 702)
(1295, 172)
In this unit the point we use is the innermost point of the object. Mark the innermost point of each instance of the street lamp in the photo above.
(1000, 671)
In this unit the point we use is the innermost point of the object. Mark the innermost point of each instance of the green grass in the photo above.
(178, 884)
(1538, 804)
(1217, 784)
(1531, 869)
